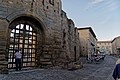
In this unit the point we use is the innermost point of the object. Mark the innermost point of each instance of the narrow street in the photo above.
(101, 71)
(90, 71)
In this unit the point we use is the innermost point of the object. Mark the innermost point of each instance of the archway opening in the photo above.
(25, 34)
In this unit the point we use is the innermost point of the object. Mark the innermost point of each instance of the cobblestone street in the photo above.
(90, 71)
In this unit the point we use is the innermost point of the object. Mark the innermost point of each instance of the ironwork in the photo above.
(24, 38)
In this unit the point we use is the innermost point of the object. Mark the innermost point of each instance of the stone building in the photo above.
(105, 47)
(116, 45)
(70, 38)
(40, 29)
(88, 41)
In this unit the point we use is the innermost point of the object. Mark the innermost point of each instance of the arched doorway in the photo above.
(24, 35)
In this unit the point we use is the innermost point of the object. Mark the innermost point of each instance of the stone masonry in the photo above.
(57, 37)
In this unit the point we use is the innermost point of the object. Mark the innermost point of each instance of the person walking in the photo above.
(116, 72)
(18, 57)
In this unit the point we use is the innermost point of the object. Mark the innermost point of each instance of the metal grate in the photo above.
(24, 38)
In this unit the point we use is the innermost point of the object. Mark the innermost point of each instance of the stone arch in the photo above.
(31, 46)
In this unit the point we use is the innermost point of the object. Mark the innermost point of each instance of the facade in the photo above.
(88, 41)
(105, 47)
(40, 29)
(70, 38)
(116, 45)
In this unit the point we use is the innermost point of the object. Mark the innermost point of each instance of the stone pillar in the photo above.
(3, 45)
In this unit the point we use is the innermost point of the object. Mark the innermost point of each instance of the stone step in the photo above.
(45, 60)
(47, 56)
(46, 63)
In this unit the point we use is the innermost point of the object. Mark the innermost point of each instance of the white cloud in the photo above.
(106, 5)
(106, 20)
(97, 1)
(112, 5)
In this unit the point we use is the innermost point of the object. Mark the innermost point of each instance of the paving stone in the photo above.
(102, 71)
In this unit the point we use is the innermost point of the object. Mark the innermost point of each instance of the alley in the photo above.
(90, 71)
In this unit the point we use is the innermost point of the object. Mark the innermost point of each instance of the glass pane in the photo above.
(12, 35)
(27, 27)
(21, 26)
(34, 37)
(33, 64)
(21, 32)
(33, 55)
(17, 31)
(13, 30)
(18, 26)
(24, 64)
(33, 59)
(24, 60)
(34, 34)
(21, 41)
(30, 33)
(30, 28)
(34, 42)
(29, 59)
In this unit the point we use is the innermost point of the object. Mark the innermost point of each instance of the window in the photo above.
(23, 37)
(51, 2)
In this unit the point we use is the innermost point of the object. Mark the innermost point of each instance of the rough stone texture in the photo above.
(3, 46)
(90, 71)
(88, 42)
(116, 45)
(58, 36)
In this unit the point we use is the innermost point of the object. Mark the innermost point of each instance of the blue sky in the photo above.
(102, 15)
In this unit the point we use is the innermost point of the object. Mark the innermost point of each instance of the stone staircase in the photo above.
(45, 60)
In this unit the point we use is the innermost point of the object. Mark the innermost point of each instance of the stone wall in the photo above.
(70, 40)
(60, 36)
(116, 46)
(3, 46)
(84, 35)
(88, 41)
